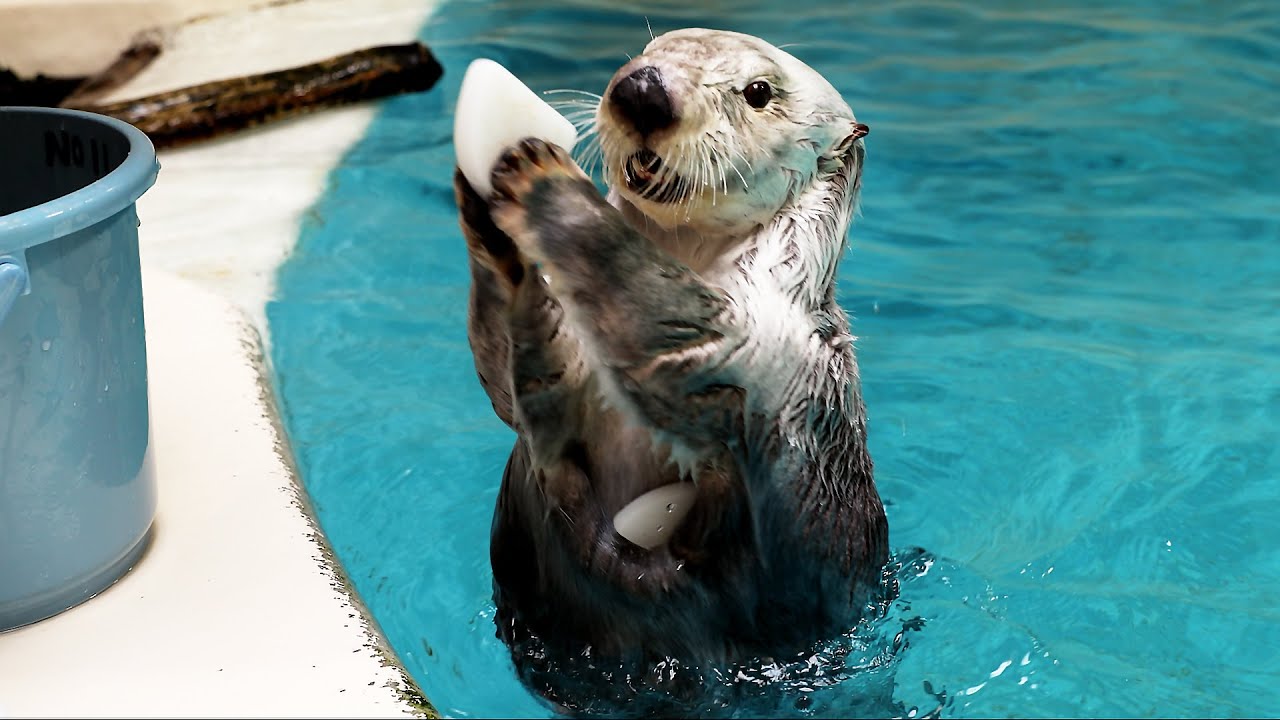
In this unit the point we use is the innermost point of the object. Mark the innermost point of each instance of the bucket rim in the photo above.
(91, 204)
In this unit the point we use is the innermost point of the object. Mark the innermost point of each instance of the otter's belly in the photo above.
(712, 593)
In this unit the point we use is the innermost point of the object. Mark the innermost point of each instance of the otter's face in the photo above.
(717, 130)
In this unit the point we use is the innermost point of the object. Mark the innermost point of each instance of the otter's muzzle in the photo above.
(641, 99)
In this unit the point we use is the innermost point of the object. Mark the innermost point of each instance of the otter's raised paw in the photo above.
(520, 169)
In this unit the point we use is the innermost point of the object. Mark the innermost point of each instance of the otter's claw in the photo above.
(521, 169)
(528, 161)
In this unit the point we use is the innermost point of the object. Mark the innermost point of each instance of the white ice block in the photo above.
(495, 111)
(650, 520)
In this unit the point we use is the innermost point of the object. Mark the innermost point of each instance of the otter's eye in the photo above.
(758, 94)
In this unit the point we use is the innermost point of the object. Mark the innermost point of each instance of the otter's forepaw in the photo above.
(523, 167)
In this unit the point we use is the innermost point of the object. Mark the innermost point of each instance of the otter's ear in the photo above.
(856, 132)
(846, 150)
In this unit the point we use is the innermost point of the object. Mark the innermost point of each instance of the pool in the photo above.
(1066, 284)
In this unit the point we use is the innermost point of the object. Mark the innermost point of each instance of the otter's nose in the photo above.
(641, 99)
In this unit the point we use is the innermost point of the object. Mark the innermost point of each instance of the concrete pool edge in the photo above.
(116, 648)
(237, 608)
(407, 690)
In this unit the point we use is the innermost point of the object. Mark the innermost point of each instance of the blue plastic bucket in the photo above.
(77, 485)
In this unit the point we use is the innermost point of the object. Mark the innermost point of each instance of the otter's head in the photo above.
(718, 131)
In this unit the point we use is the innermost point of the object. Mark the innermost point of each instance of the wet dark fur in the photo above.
(780, 551)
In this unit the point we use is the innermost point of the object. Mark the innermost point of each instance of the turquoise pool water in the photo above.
(1066, 283)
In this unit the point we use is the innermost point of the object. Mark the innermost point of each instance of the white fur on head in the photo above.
(737, 166)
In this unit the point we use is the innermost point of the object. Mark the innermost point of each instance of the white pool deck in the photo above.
(237, 609)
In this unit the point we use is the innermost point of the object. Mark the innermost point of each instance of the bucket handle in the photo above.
(13, 282)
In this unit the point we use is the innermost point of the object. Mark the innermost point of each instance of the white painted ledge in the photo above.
(80, 37)
(225, 214)
(234, 610)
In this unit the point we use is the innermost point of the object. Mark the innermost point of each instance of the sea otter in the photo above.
(685, 329)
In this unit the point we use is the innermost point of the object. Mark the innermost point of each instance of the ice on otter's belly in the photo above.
(495, 111)
(650, 520)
